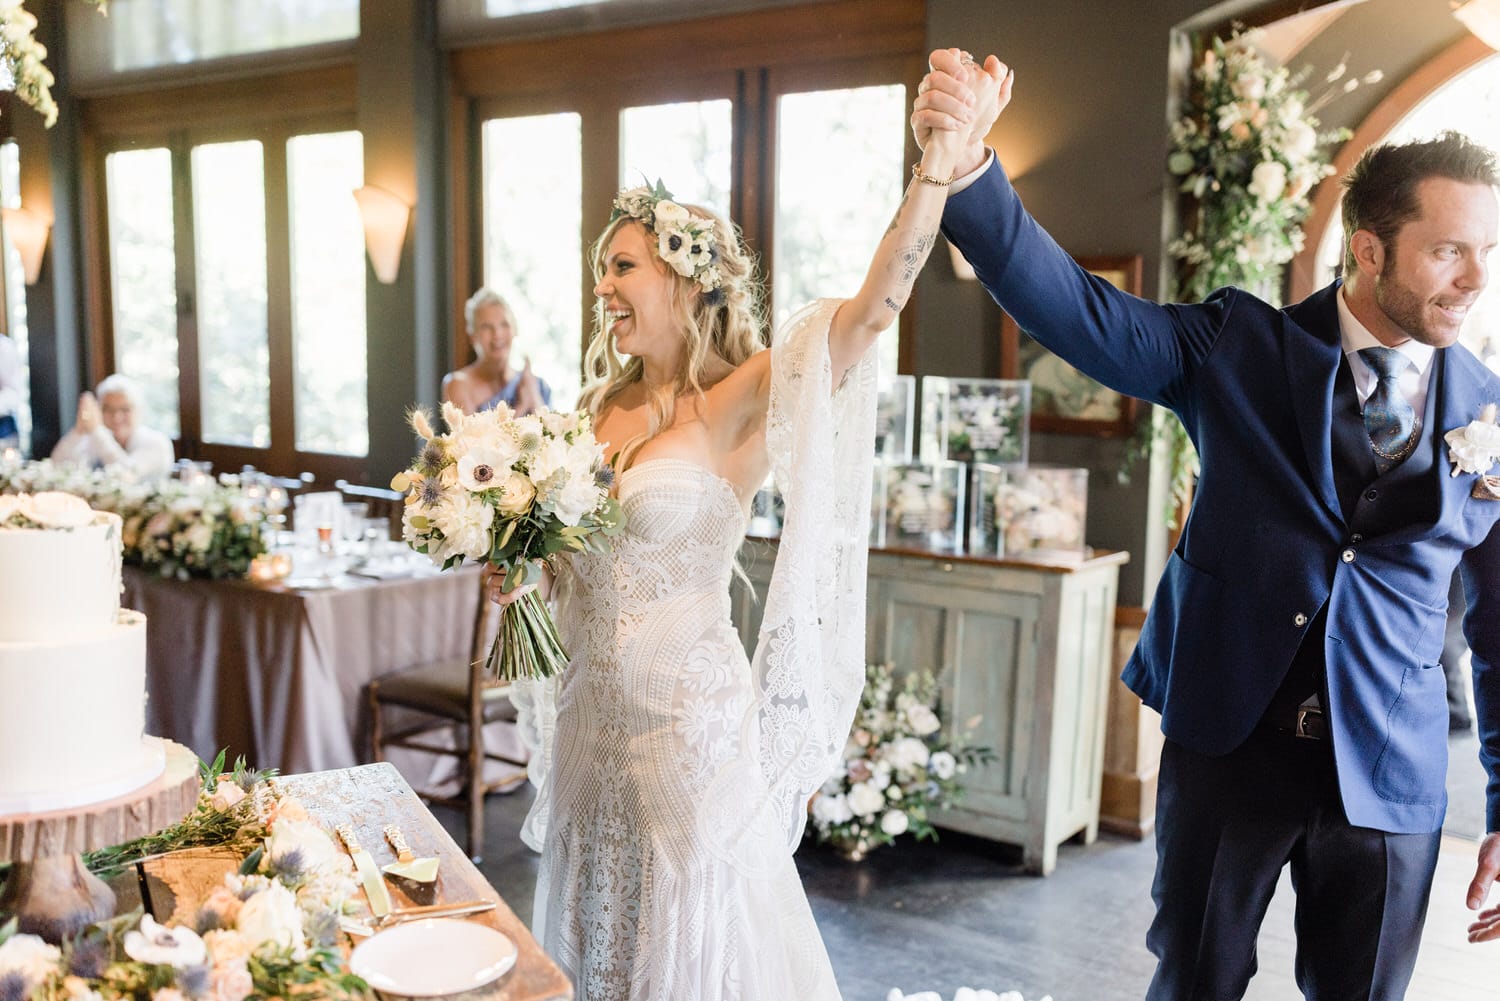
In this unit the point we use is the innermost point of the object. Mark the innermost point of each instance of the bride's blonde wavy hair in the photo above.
(728, 323)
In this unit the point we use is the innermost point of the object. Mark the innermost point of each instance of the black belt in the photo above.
(1301, 722)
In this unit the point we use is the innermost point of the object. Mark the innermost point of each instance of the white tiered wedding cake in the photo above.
(72, 663)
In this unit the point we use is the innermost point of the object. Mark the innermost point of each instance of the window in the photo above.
(237, 293)
(144, 280)
(533, 241)
(328, 293)
(686, 144)
(828, 222)
(15, 289)
(229, 239)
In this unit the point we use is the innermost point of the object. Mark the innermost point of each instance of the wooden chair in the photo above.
(383, 503)
(451, 695)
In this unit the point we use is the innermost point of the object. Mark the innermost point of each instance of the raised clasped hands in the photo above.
(962, 98)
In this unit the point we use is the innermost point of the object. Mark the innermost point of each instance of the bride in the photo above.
(673, 773)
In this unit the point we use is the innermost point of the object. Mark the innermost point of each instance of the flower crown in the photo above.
(684, 241)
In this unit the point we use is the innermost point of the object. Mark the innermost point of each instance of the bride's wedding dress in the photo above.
(673, 777)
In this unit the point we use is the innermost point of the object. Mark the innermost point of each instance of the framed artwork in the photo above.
(1063, 399)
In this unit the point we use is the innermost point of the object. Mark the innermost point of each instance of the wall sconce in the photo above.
(1482, 17)
(385, 216)
(28, 234)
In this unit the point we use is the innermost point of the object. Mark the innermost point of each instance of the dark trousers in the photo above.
(1226, 826)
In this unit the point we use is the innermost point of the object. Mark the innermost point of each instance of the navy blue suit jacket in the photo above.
(1266, 543)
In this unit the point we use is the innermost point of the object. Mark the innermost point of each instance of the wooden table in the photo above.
(369, 797)
(278, 674)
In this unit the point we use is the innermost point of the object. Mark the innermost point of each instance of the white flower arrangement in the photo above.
(962, 994)
(206, 528)
(899, 769)
(269, 930)
(684, 241)
(23, 58)
(516, 492)
(1248, 152)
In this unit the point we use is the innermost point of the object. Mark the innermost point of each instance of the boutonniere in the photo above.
(1474, 448)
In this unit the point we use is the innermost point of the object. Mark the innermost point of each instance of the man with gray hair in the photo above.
(106, 433)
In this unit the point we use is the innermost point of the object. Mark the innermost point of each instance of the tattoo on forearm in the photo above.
(911, 257)
(892, 305)
(896, 219)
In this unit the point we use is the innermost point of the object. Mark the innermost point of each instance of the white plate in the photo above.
(432, 957)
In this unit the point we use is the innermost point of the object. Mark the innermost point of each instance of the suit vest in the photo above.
(1372, 505)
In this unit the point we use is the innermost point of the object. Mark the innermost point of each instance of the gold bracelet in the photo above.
(926, 178)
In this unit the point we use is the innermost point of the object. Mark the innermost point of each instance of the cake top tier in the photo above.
(61, 563)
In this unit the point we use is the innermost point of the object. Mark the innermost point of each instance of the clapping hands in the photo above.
(88, 413)
(528, 393)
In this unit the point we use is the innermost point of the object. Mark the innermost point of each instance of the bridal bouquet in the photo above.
(515, 491)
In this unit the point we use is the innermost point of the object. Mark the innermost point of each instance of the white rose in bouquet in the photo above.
(30, 958)
(832, 809)
(894, 823)
(922, 720)
(517, 493)
(271, 918)
(864, 799)
(943, 765)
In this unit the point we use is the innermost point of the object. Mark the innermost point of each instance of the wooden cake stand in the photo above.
(49, 889)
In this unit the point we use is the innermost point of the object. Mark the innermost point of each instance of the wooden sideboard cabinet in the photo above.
(1025, 647)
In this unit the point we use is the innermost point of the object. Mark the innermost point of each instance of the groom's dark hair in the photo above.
(1380, 193)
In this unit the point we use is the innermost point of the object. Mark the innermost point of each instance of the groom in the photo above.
(1293, 644)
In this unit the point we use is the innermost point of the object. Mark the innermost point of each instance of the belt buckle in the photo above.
(1306, 715)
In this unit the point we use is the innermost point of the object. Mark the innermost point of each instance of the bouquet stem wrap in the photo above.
(526, 644)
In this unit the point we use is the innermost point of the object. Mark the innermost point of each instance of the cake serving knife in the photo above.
(369, 875)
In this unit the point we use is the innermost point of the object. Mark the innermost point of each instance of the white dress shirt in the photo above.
(1412, 382)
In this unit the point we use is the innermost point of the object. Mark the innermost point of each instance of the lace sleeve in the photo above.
(808, 666)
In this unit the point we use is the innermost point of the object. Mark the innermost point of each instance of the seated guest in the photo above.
(12, 385)
(106, 434)
(489, 380)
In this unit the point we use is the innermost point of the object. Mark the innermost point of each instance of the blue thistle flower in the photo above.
(323, 929)
(432, 459)
(604, 476)
(715, 297)
(288, 867)
(207, 920)
(194, 981)
(13, 987)
(430, 492)
(88, 955)
(530, 441)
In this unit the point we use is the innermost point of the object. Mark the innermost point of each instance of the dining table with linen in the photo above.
(276, 671)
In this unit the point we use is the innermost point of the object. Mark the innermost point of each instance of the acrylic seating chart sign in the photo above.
(975, 420)
(919, 505)
(1031, 512)
(895, 411)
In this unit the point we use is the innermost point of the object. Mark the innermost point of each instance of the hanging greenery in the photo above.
(1248, 151)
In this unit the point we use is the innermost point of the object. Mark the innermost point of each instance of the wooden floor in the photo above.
(961, 913)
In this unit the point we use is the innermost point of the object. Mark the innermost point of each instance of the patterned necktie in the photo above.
(1389, 419)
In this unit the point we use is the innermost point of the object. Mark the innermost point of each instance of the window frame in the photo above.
(752, 59)
(322, 100)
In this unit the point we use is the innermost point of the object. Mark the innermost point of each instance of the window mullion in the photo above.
(189, 383)
(279, 301)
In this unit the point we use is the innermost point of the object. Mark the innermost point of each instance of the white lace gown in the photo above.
(673, 776)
